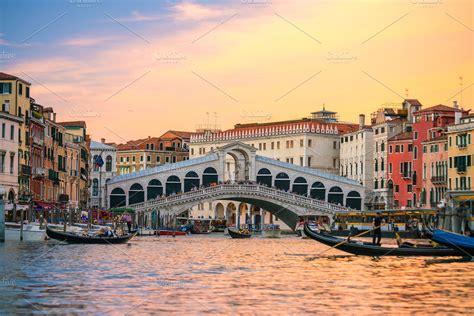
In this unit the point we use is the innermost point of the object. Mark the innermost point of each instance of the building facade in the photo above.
(426, 122)
(400, 170)
(356, 155)
(434, 175)
(459, 212)
(100, 175)
(15, 100)
(151, 152)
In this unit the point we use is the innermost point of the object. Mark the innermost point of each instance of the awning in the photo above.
(463, 197)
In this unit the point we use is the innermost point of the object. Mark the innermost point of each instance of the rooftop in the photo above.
(100, 146)
(73, 124)
(402, 136)
(4, 76)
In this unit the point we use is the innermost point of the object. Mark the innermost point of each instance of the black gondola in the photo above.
(73, 238)
(236, 234)
(366, 249)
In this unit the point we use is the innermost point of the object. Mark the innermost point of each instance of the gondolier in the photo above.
(377, 233)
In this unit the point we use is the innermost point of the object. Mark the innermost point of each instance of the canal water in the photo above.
(216, 274)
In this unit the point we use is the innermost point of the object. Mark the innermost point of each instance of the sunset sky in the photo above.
(137, 68)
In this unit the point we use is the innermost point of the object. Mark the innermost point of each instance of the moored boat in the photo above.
(169, 232)
(366, 249)
(464, 244)
(73, 238)
(234, 233)
(31, 232)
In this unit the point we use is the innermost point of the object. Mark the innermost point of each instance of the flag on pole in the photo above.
(98, 161)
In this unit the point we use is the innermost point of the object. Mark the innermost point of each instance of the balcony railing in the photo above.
(38, 172)
(407, 175)
(461, 169)
(38, 141)
(438, 179)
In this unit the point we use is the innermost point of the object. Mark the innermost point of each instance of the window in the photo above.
(148, 158)
(390, 149)
(273, 145)
(20, 89)
(397, 188)
(27, 92)
(95, 187)
(382, 130)
(415, 135)
(309, 162)
(382, 147)
(301, 161)
(390, 169)
(5, 88)
(415, 153)
(12, 162)
(301, 142)
(334, 145)
(310, 143)
(121, 159)
(158, 159)
(2, 161)
(3, 130)
(141, 158)
(108, 164)
(167, 159)
(5, 105)
(409, 188)
(278, 145)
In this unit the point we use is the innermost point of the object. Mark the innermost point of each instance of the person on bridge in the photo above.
(377, 233)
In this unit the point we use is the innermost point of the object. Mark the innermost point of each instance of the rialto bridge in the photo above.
(285, 190)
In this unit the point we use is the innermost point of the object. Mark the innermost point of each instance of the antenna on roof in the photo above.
(460, 84)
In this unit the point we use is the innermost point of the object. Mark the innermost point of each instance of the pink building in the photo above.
(435, 168)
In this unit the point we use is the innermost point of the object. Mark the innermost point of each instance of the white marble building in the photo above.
(99, 177)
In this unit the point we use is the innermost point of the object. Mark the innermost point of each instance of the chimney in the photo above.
(361, 121)
(455, 105)
(102, 140)
(457, 117)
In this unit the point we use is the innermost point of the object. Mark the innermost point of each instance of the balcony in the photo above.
(407, 175)
(25, 170)
(438, 179)
(37, 141)
(38, 172)
(461, 169)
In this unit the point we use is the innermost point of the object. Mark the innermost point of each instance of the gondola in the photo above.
(236, 234)
(464, 244)
(366, 249)
(73, 238)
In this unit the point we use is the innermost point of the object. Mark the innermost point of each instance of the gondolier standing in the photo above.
(377, 234)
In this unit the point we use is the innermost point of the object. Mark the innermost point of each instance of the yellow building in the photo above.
(15, 100)
(459, 214)
(77, 130)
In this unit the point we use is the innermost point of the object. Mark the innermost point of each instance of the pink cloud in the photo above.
(194, 11)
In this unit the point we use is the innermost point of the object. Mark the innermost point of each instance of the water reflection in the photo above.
(214, 274)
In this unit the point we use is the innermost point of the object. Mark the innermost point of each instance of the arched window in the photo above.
(318, 191)
(117, 198)
(173, 185)
(191, 180)
(95, 187)
(108, 163)
(354, 200)
(300, 186)
(264, 176)
(136, 194)
(154, 189)
(336, 195)
(282, 181)
(209, 176)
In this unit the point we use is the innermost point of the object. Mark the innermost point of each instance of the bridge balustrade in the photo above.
(254, 188)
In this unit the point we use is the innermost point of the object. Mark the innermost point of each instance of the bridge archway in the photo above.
(154, 189)
(264, 176)
(282, 181)
(230, 213)
(318, 191)
(191, 180)
(136, 194)
(209, 176)
(173, 185)
(300, 186)
(336, 195)
(118, 198)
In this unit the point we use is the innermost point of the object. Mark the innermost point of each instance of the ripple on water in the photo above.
(215, 274)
